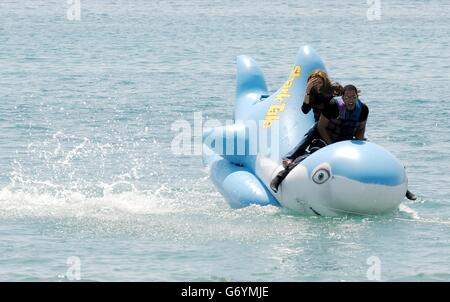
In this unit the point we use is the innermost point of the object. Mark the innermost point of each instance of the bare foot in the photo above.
(286, 162)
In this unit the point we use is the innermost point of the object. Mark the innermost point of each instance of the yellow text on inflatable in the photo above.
(272, 113)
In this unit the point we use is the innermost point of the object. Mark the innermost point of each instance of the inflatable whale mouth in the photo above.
(356, 177)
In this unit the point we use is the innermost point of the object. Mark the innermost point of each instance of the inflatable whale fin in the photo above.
(240, 187)
(250, 86)
(309, 60)
(237, 184)
(231, 142)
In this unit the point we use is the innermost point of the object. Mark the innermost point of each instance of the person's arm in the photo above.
(322, 129)
(306, 108)
(359, 134)
(306, 98)
(309, 86)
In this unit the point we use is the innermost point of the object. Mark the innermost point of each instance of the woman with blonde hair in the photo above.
(319, 92)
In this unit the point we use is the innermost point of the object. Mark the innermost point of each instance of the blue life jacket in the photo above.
(345, 125)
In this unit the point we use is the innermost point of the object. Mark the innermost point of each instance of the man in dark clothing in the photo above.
(344, 119)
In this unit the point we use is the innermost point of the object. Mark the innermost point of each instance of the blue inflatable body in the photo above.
(346, 177)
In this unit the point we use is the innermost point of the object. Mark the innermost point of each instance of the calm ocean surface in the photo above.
(86, 168)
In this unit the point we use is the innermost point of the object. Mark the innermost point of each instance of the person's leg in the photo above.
(276, 181)
(301, 147)
(410, 195)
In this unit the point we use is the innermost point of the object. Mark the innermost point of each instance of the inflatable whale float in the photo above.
(348, 177)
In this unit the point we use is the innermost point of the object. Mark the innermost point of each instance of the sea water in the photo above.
(90, 188)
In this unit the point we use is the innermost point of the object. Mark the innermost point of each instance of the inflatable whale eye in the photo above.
(349, 177)
(321, 176)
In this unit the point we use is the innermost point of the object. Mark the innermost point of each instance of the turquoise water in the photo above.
(85, 152)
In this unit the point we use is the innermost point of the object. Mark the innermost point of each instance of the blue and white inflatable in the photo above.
(357, 177)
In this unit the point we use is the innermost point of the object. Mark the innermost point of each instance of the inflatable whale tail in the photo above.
(250, 86)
